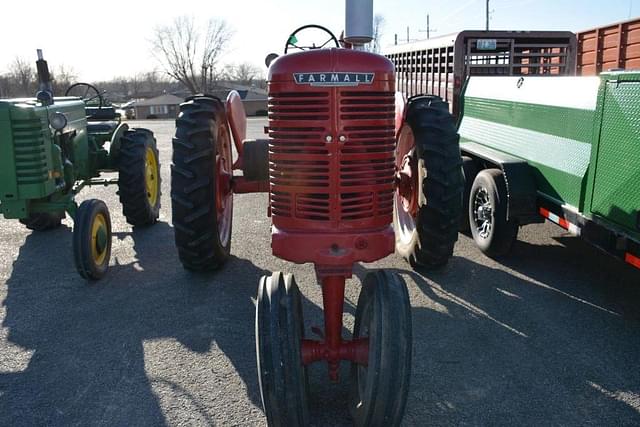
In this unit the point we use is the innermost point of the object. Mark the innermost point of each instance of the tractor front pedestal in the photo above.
(332, 347)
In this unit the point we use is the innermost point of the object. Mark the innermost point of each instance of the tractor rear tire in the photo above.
(493, 233)
(469, 170)
(139, 177)
(426, 240)
(279, 332)
(202, 230)
(43, 221)
(92, 239)
(379, 390)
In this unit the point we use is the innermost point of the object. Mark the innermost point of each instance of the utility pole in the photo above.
(427, 26)
(396, 42)
(487, 15)
(407, 34)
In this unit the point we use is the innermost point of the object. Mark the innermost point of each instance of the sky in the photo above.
(103, 40)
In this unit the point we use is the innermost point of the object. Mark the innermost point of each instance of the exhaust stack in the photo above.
(358, 29)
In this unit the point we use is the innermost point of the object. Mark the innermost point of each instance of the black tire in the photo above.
(92, 251)
(379, 391)
(43, 221)
(255, 159)
(491, 230)
(203, 243)
(469, 172)
(279, 332)
(428, 240)
(139, 177)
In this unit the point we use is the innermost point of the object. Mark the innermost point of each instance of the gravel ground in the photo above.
(550, 336)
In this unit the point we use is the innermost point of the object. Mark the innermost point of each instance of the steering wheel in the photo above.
(292, 40)
(86, 92)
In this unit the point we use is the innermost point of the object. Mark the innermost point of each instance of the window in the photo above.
(159, 109)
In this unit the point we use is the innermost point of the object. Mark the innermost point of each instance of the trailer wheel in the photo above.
(379, 390)
(491, 230)
(139, 177)
(469, 172)
(43, 221)
(202, 199)
(279, 333)
(428, 201)
(92, 239)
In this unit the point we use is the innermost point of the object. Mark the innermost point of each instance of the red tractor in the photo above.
(345, 159)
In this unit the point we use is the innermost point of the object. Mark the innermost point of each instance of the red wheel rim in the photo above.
(406, 200)
(224, 194)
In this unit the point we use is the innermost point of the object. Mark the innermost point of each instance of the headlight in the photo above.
(58, 121)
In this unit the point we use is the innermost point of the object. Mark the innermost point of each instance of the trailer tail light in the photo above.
(632, 259)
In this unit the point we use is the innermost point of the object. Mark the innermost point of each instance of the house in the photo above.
(161, 107)
(254, 99)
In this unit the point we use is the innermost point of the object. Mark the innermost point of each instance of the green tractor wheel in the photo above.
(92, 239)
(43, 221)
(139, 177)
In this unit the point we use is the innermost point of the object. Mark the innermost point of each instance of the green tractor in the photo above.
(51, 148)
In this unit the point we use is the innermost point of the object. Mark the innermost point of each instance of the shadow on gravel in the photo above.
(547, 346)
(89, 339)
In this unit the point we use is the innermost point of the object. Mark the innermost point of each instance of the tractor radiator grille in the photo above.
(367, 156)
(30, 151)
(321, 184)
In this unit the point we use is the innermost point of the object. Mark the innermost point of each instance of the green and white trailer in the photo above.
(564, 149)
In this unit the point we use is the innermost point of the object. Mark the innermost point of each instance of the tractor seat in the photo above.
(101, 113)
(102, 126)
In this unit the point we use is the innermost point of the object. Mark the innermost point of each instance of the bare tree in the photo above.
(378, 28)
(245, 73)
(189, 53)
(63, 77)
(23, 75)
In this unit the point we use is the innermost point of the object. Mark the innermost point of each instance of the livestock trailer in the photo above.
(610, 47)
(440, 66)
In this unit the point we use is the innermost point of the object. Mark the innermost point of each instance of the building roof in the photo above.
(166, 99)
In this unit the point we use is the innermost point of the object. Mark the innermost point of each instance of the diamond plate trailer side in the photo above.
(577, 138)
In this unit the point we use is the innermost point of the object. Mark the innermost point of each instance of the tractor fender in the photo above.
(237, 119)
(114, 147)
(518, 176)
(401, 107)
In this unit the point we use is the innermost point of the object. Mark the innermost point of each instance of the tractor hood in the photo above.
(332, 67)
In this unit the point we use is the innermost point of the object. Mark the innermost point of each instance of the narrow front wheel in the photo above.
(279, 333)
(383, 315)
(92, 239)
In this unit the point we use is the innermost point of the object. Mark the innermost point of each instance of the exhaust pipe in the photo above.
(358, 28)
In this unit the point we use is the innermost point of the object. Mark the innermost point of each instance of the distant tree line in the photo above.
(188, 55)
(21, 80)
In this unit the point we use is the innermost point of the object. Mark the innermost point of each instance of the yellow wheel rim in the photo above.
(151, 176)
(98, 239)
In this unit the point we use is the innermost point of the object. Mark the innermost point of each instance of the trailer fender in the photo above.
(521, 184)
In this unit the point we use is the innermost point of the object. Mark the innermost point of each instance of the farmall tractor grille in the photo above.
(316, 184)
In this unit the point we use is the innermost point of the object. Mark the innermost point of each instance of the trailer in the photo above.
(440, 66)
(564, 149)
(611, 47)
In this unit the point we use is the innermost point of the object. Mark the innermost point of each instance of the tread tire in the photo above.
(503, 232)
(193, 185)
(384, 312)
(279, 332)
(136, 206)
(436, 224)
